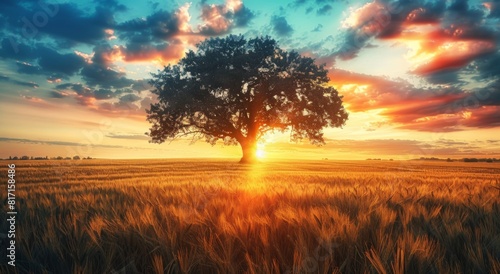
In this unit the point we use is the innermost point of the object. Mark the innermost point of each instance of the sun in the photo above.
(260, 153)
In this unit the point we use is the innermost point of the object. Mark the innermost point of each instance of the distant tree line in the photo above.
(76, 157)
(475, 160)
(376, 159)
(466, 160)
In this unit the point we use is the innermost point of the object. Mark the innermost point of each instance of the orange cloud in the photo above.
(364, 17)
(435, 50)
(163, 54)
(183, 18)
(438, 39)
(409, 107)
(217, 19)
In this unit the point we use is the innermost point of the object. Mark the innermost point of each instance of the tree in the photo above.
(236, 90)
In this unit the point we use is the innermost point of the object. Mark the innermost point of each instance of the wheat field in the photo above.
(218, 216)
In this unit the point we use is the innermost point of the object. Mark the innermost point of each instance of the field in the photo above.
(217, 216)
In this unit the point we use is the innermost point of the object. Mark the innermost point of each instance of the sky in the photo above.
(418, 78)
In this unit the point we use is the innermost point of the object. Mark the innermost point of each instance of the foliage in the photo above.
(236, 90)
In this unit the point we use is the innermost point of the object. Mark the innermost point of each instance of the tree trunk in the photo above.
(249, 150)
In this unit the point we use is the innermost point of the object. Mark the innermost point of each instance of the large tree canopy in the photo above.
(235, 90)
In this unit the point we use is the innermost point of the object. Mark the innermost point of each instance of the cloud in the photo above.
(54, 143)
(51, 61)
(27, 68)
(441, 37)
(157, 27)
(380, 148)
(58, 95)
(129, 98)
(84, 94)
(215, 20)
(102, 94)
(12, 49)
(45, 61)
(280, 26)
(17, 82)
(453, 55)
(128, 136)
(220, 19)
(324, 10)
(449, 76)
(61, 20)
(318, 28)
(488, 66)
(243, 16)
(162, 36)
(424, 109)
(493, 8)
(101, 72)
(164, 53)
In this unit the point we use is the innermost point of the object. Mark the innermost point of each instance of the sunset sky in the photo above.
(419, 78)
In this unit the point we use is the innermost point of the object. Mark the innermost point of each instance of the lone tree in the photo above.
(236, 90)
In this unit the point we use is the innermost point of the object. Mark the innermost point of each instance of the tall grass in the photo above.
(154, 216)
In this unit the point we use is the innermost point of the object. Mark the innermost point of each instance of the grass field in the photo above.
(200, 216)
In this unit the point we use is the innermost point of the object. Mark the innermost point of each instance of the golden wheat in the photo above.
(195, 216)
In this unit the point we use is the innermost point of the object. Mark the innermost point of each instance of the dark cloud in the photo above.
(243, 16)
(91, 29)
(444, 77)
(488, 66)
(280, 26)
(297, 3)
(490, 95)
(53, 62)
(54, 78)
(77, 88)
(129, 98)
(64, 21)
(57, 95)
(65, 86)
(18, 82)
(141, 85)
(12, 49)
(49, 62)
(25, 84)
(113, 5)
(494, 9)
(84, 91)
(318, 28)
(103, 94)
(157, 27)
(100, 71)
(96, 75)
(27, 68)
(324, 10)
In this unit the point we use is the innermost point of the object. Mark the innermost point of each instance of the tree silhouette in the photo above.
(235, 90)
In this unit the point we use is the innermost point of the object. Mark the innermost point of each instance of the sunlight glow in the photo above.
(260, 153)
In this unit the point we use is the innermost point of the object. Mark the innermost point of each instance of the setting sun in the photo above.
(260, 153)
